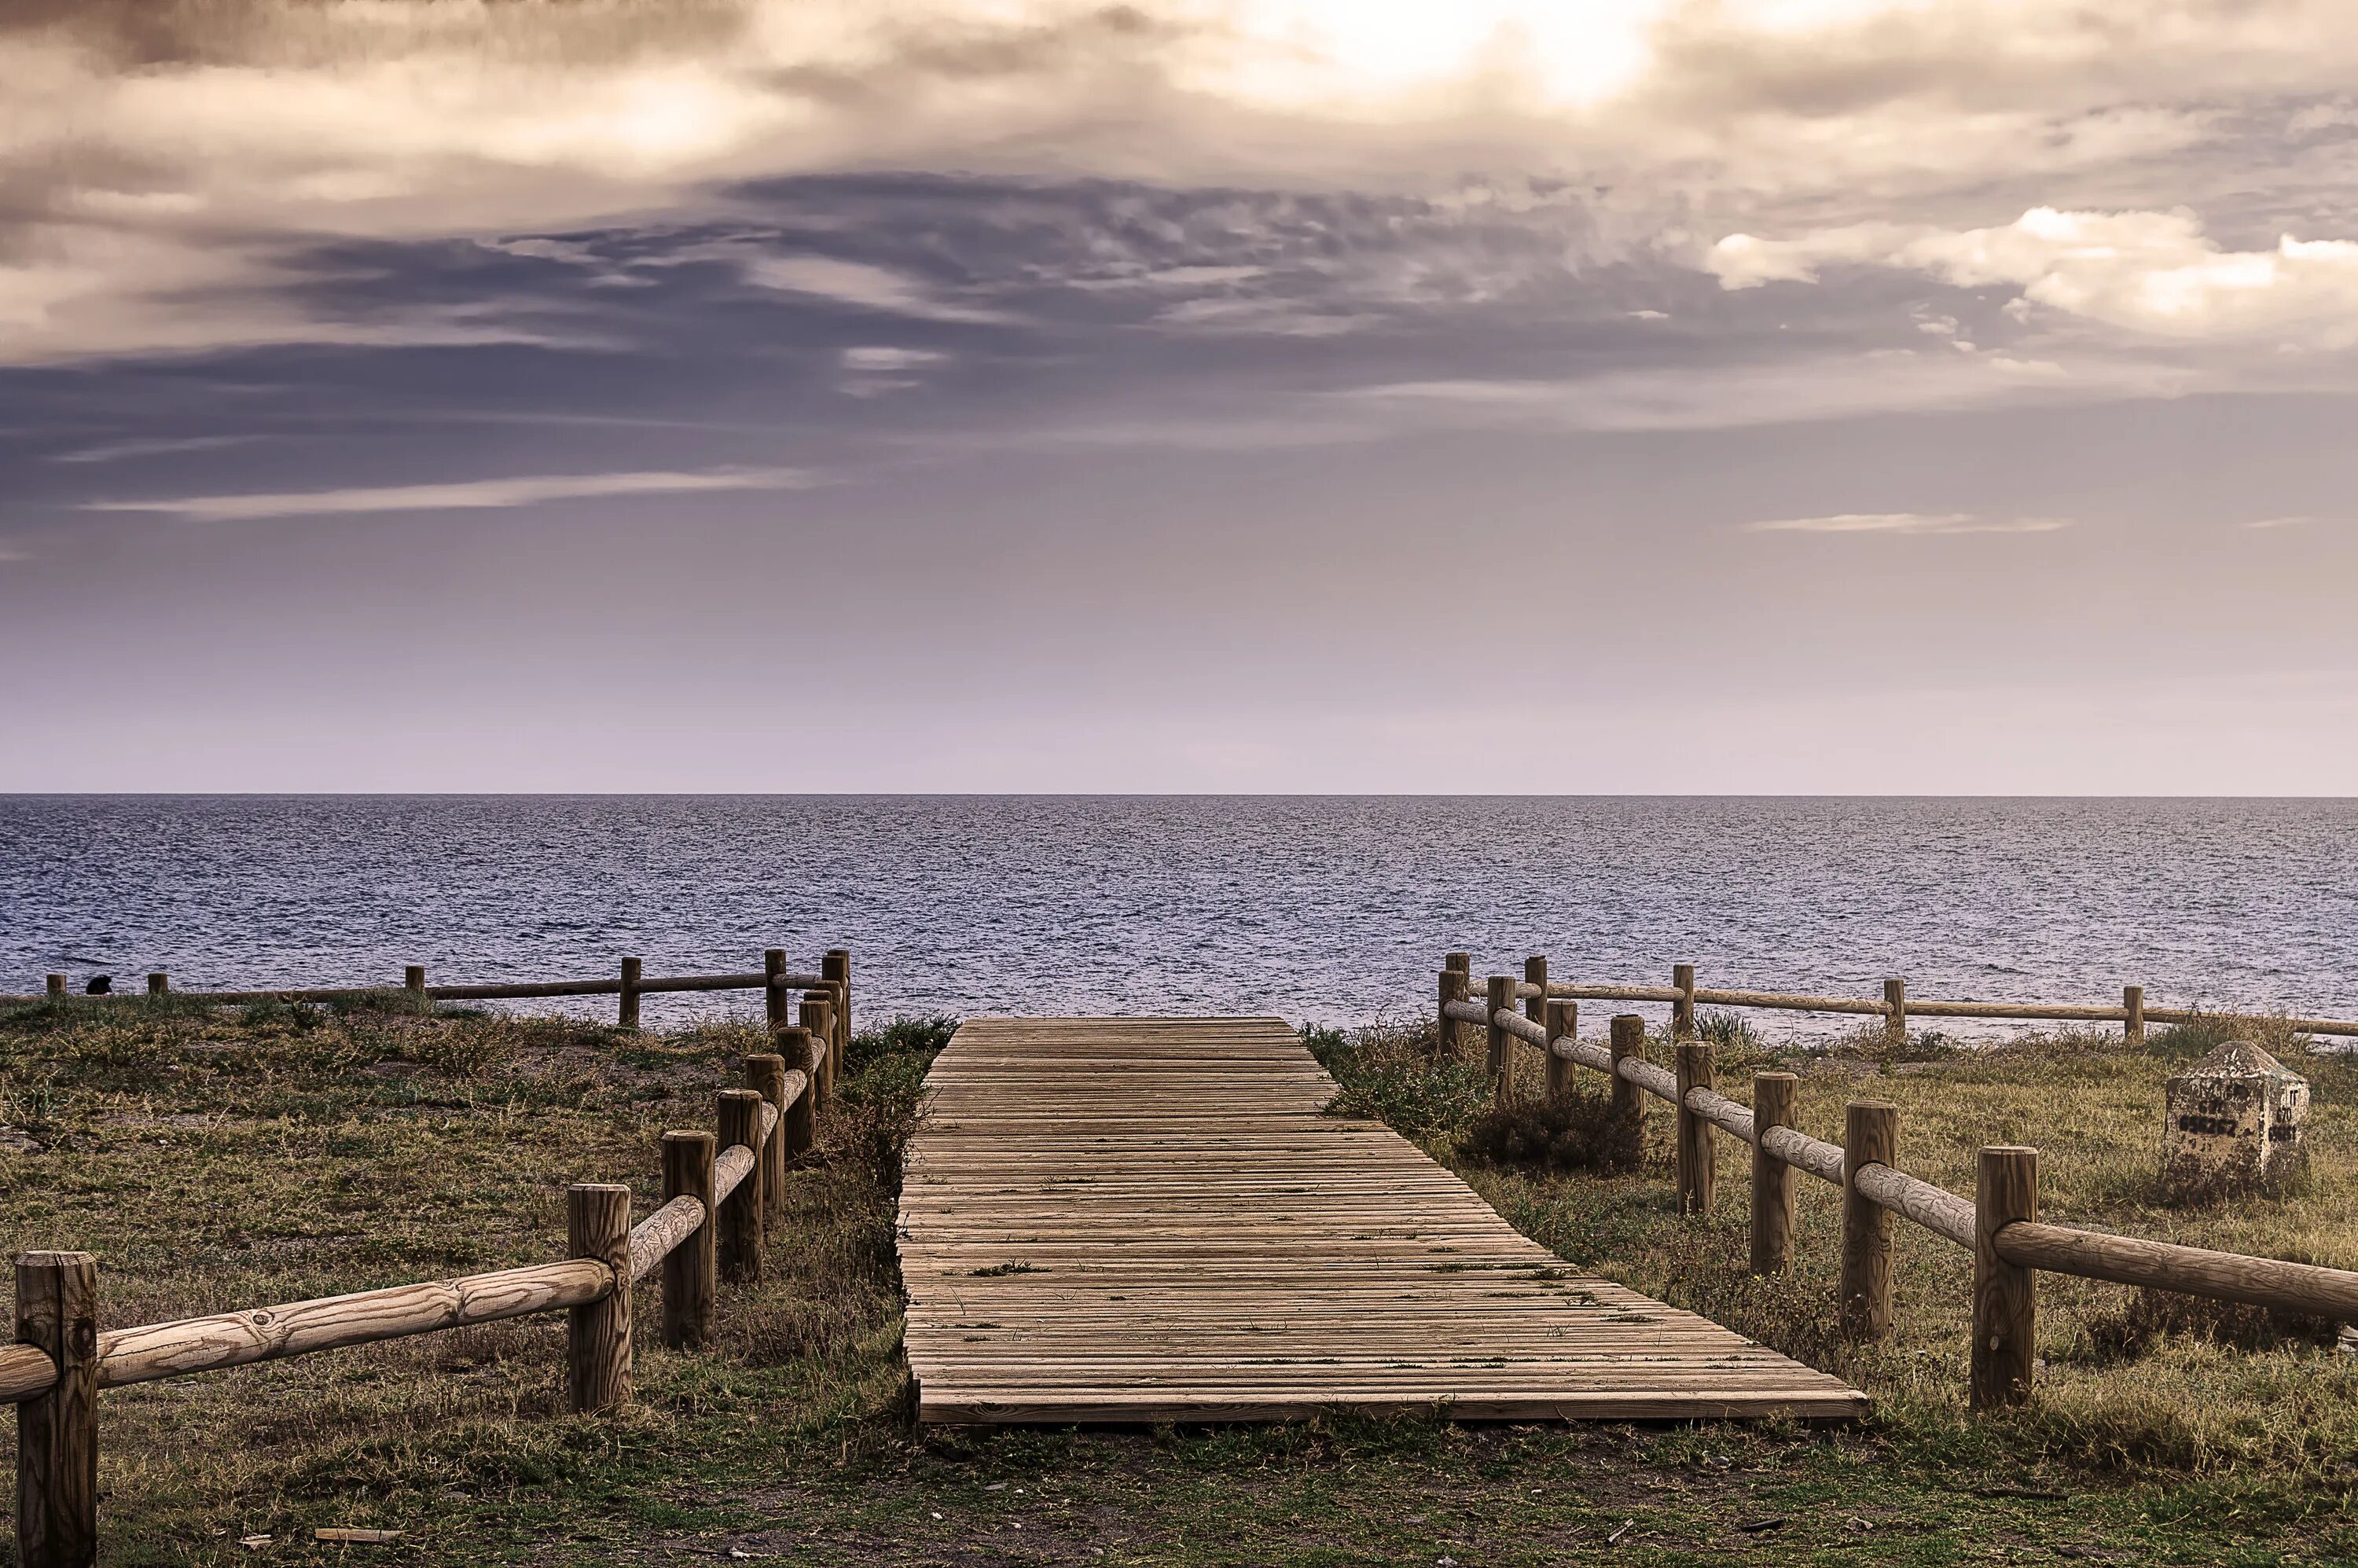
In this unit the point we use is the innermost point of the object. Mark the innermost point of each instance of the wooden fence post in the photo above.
(836, 966)
(690, 1283)
(1451, 1040)
(740, 1241)
(1628, 1100)
(818, 1017)
(1464, 963)
(159, 984)
(1870, 1137)
(2005, 1296)
(1895, 1014)
(1773, 1096)
(1562, 1022)
(1501, 999)
(598, 1336)
(57, 987)
(777, 1008)
(2133, 1027)
(1535, 974)
(765, 1074)
(56, 1431)
(413, 980)
(801, 1124)
(1697, 1171)
(626, 1012)
(1683, 1017)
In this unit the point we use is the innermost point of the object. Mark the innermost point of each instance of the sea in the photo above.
(1320, 909)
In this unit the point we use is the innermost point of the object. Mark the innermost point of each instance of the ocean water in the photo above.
(1314, 908)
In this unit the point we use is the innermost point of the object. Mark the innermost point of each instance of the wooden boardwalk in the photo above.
(1149, 1219)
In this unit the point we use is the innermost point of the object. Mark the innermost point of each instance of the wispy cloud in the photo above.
(1909, 522)
(116, 452)
(864, 287)
(463, 495)
(2299, 520)
(885, 357)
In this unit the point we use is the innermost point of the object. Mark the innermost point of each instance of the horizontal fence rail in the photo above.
(1998, 1226)
(629, 984)
(1895, 1004)
(721, 1190)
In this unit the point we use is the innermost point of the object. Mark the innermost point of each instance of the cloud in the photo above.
(2152, 272)
(1797, 388)
(463, 495)
(1909, 522)
(864, 287)
(117, 451)
(883, 358)
(175, 164)
(2299, 521)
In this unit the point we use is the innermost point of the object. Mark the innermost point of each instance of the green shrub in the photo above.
(1399, 1075)
(1571, 1132)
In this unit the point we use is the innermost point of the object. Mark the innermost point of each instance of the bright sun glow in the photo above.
(1553, 53)
(1298, 53)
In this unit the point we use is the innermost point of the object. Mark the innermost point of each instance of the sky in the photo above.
(1919, 397)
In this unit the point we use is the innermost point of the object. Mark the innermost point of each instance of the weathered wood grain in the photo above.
(299, 1329)
(598, 1332)
(691, 1280)
(653, 1238)
(1140, 1220)
(2006, 1299)
(1870, 1137)
(24, 1371)
(57, 1430)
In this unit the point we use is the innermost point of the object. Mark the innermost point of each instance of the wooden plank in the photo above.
(1141, 1220)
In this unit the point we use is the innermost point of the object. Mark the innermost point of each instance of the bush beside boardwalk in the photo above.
(221, 1158)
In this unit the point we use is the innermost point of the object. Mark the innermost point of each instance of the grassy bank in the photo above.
(222, 1159)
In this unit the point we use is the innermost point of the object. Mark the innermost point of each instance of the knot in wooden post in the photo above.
(1561, 1020)
(818, 1018)
(777, 1007)
(1448, 1035)
(801, 1125)
(1870, 1137)
(1773, 1096)
(56, 1431)
(1696, 1167)
(2005, 1296)
(690, 1277)
(1500, 998)
(765, 1074)
(835, 967)
(740, 1241)
(626, 1010)
(598, 1334)
(1629, 1040)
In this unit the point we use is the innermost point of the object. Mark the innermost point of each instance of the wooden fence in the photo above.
(721, 1190)
(628, 986)
(1999, 1227)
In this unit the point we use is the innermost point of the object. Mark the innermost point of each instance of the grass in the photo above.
(218, 1158)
